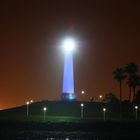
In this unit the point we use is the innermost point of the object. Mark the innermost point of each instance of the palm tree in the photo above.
(119, 76)
(131, 69)
(130, 90)
(134, 81)
(110, 97)
(136, 100)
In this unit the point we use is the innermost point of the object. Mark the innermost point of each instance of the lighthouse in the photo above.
(68, 93)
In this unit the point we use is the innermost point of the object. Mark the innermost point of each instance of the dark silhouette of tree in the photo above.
(91, 99)
(131, 69)
(110, 98)
(112, 103)
(134, 81)
(136, 100)
(126, 108)
(119, 76)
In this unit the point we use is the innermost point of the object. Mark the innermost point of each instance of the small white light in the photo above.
(31, 101)
(100, 96)
(27, 102)
(44, 108)
(136, 107)
(83, 92)
(104, 109)
(82, 105)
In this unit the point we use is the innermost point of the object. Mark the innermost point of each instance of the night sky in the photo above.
(31, 59)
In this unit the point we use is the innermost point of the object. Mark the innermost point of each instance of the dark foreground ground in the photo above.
(16, 130)
(63, 122)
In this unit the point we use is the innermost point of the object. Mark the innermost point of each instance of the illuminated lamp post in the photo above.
(68, 94)
(104, 113)
(31, 101)
(82, 92)
(136, 112)
(44, 109)
(83, 95)
(82, 110)
(27, 109)
(101, 97)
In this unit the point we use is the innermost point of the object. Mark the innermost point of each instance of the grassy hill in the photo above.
(56, 110)
(63, 111)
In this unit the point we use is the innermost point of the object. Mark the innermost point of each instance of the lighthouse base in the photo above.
(68, 97)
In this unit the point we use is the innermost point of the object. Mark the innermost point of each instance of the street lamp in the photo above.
(82, 110)
(45, 109)
(31, 101)
(100, 96)
(27, 109)
(136, 112)
(82, 92)
(104, 111)
(83, 95)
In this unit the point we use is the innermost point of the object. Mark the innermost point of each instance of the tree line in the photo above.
(130, 73)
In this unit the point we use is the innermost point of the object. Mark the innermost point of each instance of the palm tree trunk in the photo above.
(129, 94)
(120, 99)
(134, 92)
(120, 91)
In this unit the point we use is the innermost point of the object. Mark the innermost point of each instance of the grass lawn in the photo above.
(40, 118)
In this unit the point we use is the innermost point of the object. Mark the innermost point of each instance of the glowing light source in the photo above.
(44, 108)
(100, 96)
(27, 109)
(27, 103)
(82, 92)
(68, 76)
(69, 44)
(31, 101)
(82, 110)
(104, 111)
(136, 107)
(136, 112)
